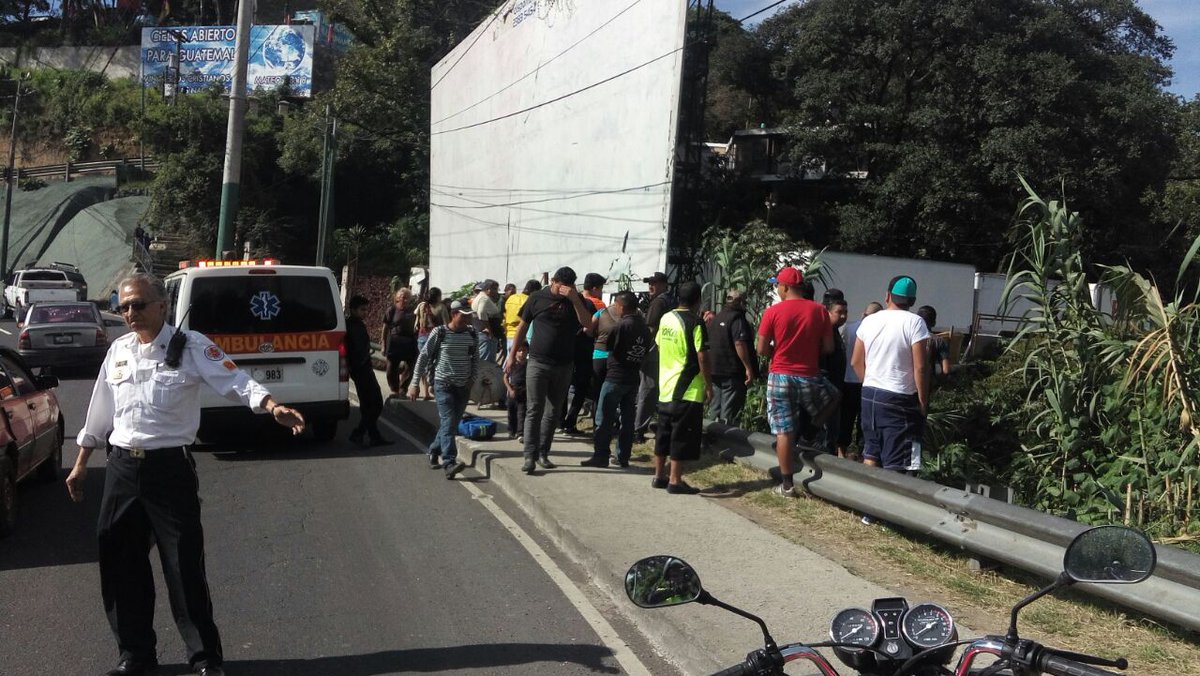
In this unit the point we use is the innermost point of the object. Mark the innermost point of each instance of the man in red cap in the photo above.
(794, 333)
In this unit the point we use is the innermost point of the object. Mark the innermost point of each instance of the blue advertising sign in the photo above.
(277, 54)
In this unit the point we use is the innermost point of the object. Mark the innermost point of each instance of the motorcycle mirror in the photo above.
(1110, 555)
(661, 581)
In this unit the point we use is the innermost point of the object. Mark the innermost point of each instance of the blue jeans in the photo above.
(487, 347)
(451, 402)
(615, 398)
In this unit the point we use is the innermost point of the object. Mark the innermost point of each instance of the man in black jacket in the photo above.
(734, 365)
(358, 357)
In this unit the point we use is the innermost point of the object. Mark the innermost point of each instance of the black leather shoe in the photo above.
(594, 462)
(132, 667)
(211, 671)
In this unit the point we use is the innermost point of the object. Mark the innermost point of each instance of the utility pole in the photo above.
(232, 178)
(10, 179)
(328, 157)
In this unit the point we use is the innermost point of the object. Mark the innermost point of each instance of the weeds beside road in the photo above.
(923, 570)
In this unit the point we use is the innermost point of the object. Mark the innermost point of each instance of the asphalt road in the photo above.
(323, 559)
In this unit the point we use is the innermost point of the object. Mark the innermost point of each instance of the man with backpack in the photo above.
(452, 355)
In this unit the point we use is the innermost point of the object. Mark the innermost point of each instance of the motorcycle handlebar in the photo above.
(1056, 665)
(742, 669)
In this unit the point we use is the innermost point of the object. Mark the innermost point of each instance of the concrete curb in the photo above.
(672, 642)
(604, 520)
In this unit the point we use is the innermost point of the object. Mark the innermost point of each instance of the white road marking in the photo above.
(5, 332)
(625, 657)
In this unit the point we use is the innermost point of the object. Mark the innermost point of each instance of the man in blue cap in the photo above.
(890, 355)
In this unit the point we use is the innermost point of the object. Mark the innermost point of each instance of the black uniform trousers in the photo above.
(148, 501)
(370, 401)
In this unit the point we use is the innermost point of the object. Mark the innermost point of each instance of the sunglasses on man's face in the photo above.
(136, 306)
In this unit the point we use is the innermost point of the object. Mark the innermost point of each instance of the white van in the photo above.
(282, 324)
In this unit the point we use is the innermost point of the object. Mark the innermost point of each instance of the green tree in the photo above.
(941, 104)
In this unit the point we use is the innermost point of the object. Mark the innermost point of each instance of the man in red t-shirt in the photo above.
(794, 333)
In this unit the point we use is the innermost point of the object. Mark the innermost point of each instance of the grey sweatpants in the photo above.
(546, 387)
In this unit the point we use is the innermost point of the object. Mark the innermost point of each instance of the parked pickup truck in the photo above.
(37, 285)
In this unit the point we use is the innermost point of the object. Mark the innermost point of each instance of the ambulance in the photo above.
(282, 324)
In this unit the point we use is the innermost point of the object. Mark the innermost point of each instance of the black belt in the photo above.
(143, 453)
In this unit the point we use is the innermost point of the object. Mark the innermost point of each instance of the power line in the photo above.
(468, 49)
(488, 205)
(562, 97)
(575, 214)
(770, 6)
(542, 65)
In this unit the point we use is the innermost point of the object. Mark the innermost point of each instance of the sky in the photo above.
(1180, 20)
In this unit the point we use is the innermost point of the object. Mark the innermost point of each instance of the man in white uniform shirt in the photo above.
(144, 404)
(890, 357)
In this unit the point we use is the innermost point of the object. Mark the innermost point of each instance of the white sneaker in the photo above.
(789, 492)
(868, 520)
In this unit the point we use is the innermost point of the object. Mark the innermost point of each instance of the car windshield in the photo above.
(44, 276)
(61, 314)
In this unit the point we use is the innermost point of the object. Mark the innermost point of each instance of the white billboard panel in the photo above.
(553, 137)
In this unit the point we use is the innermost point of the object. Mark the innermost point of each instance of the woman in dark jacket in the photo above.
(358, 358)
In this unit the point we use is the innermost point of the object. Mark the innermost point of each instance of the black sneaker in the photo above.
(623, 462)
(356, 437)
(656, 482)
(528, 467)
(453, 470)
(544, 461)
(435, 461)
(682, 488)
(594, 462)
(381, 441)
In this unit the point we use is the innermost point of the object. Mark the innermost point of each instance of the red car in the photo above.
(31, 432)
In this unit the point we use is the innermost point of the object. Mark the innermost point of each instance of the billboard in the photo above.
(277, 54)
(553, 137)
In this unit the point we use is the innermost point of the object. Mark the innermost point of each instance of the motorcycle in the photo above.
(896, 639)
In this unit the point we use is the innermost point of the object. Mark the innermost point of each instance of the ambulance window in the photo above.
(262, 304)
(172, 299)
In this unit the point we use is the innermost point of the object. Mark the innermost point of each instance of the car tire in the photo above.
(324, 429)
(49, 470)
(8, 496)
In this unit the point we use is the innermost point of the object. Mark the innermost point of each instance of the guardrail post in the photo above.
(979, 564)
(67, 172)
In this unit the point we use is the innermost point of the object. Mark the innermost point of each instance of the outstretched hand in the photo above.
(288, 417)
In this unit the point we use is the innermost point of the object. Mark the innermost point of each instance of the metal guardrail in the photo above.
(1017, 536)
(77, 168)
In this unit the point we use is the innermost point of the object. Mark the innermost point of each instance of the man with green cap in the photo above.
(890, 356)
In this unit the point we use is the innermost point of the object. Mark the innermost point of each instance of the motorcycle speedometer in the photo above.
(928, 626)
(855, 626)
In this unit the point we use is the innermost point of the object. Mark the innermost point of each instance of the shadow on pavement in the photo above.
(52, 530)
(272, 442)
(421, 660)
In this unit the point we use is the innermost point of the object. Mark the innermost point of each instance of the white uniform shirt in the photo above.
(146, 404)
(888, 336)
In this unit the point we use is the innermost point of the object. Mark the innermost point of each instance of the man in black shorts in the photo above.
(684, 387)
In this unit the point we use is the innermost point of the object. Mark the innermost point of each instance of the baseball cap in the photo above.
(788, 275)
(462, 307)
(564, 275)
(593, 279)
(656, 277)
(904, 286)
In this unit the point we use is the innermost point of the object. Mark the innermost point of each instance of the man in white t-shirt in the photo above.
(852, 388)
(890, 355)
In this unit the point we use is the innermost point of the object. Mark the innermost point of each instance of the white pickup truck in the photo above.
(37, 285)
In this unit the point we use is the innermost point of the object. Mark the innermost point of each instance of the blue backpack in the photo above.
(474, 427)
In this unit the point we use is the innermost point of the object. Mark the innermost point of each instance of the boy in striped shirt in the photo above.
(452, 354)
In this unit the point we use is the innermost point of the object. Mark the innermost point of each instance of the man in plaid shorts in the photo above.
(794, 333)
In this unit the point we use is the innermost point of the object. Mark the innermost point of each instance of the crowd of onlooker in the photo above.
(651, 365)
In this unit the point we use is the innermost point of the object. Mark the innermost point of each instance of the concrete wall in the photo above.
(115, 62)
(553, 135)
